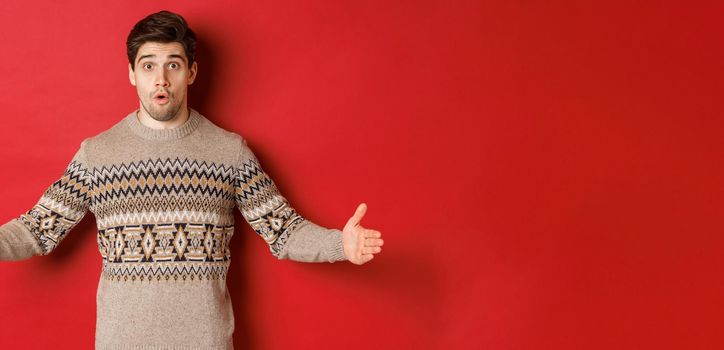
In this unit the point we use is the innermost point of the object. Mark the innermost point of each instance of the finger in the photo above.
(358, 214)
(373, 234)
(374, 242)
(371, 250)
(367, 257)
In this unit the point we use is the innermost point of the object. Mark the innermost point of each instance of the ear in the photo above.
(192, 74)
(131, 76)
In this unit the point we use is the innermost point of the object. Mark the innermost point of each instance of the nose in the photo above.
(161, 79)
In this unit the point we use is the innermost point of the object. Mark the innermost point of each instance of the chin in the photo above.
(162, 117)
(162, 114)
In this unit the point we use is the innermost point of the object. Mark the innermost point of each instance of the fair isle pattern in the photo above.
(164, 219)
(147, 252)
(163, 190)
(165, 271)
(261, 204)
(60, 208)
(191, 205)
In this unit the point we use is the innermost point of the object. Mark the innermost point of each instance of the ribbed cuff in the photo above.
(335, 250)
(17, 242)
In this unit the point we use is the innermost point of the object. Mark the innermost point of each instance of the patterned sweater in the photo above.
(163, 202)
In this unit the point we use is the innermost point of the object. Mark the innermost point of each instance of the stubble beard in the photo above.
(162, 113)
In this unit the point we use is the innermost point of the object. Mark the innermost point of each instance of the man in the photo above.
(163, 183)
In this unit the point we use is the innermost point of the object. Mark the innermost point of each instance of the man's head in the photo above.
(161, 50)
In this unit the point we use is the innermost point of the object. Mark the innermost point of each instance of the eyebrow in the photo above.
(172, 56)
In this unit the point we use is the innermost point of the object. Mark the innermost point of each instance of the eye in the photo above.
(147, 66)
(173, 65)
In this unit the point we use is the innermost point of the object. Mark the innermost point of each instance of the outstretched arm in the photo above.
(39, 230)
(288, 234)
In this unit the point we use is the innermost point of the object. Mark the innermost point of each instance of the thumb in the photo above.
(358, 214)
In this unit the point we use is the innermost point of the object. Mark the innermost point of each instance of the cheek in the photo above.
(141, 83)
(178, 84)
(181, 79)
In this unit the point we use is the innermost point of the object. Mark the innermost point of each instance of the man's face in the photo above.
(161, 78)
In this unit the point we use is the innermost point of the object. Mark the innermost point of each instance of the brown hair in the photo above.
(163, 27)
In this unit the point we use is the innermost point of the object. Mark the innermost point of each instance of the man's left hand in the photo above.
(360, 244)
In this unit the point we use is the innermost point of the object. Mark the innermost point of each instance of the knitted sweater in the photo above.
(163, 202)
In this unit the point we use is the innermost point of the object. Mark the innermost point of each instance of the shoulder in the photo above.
(226, 140)
(207, 128)
(223, 138)
(114, 133)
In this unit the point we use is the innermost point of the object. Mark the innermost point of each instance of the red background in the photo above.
(544, 175)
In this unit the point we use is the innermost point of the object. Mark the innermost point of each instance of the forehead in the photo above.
(156, 50)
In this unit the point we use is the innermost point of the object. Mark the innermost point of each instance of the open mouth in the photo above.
(160, 98)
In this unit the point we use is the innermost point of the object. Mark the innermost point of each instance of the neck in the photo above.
(181, 117)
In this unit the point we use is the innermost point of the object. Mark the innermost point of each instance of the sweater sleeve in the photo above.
(62, 205)
(288, 234)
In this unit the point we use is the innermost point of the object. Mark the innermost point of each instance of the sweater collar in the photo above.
(178, 132)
